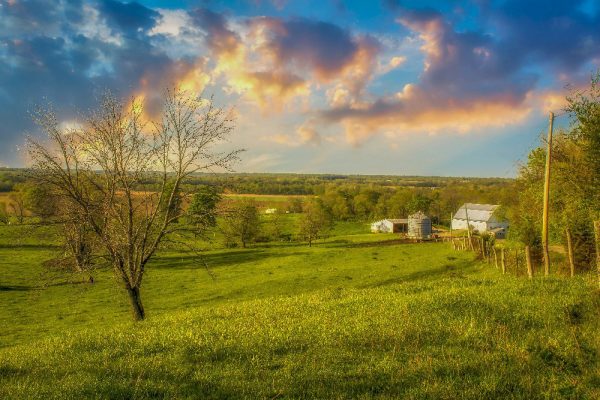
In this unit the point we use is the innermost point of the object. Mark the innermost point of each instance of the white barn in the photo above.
(390, 225)
(481, 217)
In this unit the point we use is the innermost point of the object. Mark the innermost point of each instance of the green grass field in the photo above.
(355, 316)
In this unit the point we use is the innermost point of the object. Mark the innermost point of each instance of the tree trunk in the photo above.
(136, 303)
(502, 260)
(570, 252)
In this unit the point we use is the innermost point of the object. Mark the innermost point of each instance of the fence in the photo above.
(513, 260)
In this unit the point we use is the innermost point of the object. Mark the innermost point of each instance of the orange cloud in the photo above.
(147, 99)
(413, 111)
(267, 89)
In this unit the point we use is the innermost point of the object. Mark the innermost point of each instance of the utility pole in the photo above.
(545, 250)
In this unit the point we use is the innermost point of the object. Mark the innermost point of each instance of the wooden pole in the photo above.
(469, 229)
(546, 252)
(517, 259)
(481, 249)
(597, 234)
(495, 257)
(502, 260)
(450, 225)
(528, 259)
(570, 252)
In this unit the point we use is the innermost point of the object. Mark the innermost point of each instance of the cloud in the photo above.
(471, 67)
(70, 66)
(467, 83)
(565, 34)
(308, 134)
(305, 134)
(328, 52)
(130, 18)
(391, 64)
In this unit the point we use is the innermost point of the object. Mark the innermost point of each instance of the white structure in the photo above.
(481, 218)
(270, 211)
(390, 225)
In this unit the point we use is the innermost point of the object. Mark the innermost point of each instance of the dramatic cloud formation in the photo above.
(359, 73)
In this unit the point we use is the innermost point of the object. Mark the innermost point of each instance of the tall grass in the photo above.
(353, 317)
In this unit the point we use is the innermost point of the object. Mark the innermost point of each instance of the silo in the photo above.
(419, 226)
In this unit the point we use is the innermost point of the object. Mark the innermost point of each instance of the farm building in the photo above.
(390, 226)
(481, 217)
(270, 211)
(419, 226)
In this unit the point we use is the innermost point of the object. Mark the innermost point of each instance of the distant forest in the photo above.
(347, 197)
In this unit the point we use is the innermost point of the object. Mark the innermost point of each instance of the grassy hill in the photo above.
(357, 316)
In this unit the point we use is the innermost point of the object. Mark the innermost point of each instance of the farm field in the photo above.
(354, 316)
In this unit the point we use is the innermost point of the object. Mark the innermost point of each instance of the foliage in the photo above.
(574, 185)
(202, 211)
(3, 213)
(315, 221)
(241, 224)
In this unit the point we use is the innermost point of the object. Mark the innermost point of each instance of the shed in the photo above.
(480, 216)
(499, 233)
(390, 226)
(419, 226)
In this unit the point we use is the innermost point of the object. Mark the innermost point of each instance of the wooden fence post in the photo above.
(570, 252)
(517, 259)
(495, 257)
(597, 234)
(528, 259)
(502, 260)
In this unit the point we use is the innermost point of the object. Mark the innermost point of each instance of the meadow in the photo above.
(355, 316)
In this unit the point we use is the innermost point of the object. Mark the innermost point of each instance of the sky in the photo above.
(451, 88)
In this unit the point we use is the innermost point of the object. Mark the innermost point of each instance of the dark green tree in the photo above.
(201, 214)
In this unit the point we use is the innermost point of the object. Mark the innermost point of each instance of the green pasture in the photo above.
(355, 316)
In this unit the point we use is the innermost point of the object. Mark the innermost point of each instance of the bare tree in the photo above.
(101, 167)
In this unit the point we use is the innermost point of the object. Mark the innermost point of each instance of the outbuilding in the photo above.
(390, 226)
(419, 226)
(481, 217)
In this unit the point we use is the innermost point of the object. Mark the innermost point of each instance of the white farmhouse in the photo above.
(481, 217)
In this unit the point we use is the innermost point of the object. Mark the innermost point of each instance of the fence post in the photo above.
(516, 259)
(495, 257)
(597, 234)
(528, 259)
(502, 260)
(570, 252)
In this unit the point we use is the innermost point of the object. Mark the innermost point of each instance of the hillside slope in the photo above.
(463, 335)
